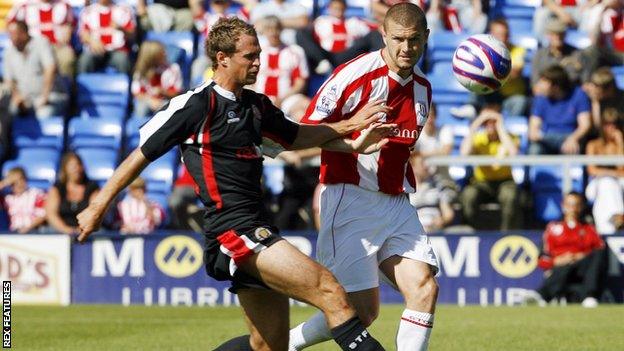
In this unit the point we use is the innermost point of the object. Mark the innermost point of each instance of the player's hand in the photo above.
(373, 111)
(373, 138)
(89, 221)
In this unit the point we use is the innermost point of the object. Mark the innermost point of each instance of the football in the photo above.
(481, 64)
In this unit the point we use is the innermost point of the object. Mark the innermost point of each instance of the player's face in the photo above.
(404, 45)
(245, 62)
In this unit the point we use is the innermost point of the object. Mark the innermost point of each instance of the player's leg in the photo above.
(288, 271)
(416, 282)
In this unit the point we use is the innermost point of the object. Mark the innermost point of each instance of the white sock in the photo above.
(414, 331)
(308, 333)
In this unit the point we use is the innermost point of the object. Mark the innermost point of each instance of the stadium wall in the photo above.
(166, 269)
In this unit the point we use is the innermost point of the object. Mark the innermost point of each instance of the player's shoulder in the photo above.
(358, 67)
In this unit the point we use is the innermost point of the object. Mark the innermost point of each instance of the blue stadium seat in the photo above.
(546, 185)
(442, 45)
(619, 81)
(34, 133)
(273, 177)
(4, 42)
(314, 83)
(519, 126)
(109, 111)
(132, 132)
(94, 132)
(99, 163)
(160, 174)
(442, 68)
(578, 39)
(40, 166)
(97, 89)
(447, 90)
(520, 25)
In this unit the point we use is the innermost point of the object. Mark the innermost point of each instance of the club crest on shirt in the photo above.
(262, 233)
(421, 113)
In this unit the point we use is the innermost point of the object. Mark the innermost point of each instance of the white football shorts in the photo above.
(361, 228)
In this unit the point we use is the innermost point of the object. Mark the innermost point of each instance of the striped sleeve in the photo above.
(173, 124)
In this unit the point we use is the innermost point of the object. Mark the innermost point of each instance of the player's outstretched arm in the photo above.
(315, 135)
(370, 140)
(90, 219)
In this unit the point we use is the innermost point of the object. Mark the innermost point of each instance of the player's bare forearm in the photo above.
(90, 219)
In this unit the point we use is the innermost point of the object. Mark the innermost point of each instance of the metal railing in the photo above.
(565, 162)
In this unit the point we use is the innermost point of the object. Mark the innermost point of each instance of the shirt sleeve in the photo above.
(538, 107)
(583, 102)
(46, 54)
(278, 132)
(173, 124)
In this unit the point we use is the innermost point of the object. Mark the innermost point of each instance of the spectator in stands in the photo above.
(155, 80)
(561, 118)
(512, 96)
(336, 33)
(218, 9)
(106, 30)
(283, 68)
(25, 206)
(555, 52)
(491, 183)
(138, 214)
(301, 173)
(457, 16)
(607, 39)
(54, 20)
(606, 187)
(182, 202)
(292, 15)
(168, 15)
(69, 195)
(571, 13)
(603, 94)
(435, 196)
(30, 71)
(573, 253)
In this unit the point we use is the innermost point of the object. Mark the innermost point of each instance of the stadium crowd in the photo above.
(79, 78)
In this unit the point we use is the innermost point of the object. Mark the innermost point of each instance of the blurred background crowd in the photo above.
(79, 79)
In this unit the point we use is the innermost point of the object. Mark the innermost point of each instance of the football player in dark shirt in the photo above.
(223, 130)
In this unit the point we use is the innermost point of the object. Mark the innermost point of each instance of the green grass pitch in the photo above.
(194, 328)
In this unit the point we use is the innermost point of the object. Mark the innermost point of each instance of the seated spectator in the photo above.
(606, 188)
(106, 31)
(69, 195)
(155, 80)
(557, 51)
(291, 14)
(218, 9)
(573, 253)
(30, 71)
(457, 16)
(283, 68)
(168, 15)
(182, 200)
(435, 197)
(561, 119)
(571, 13)
(138, 214)
(54, 20)
(491, 183)
(607, 47)
(25, 206)
(603, 94)
(336, 33)
(512, 96)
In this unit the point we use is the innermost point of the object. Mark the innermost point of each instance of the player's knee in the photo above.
(423, 291)
(331, 292)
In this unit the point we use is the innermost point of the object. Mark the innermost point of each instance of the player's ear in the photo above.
(222, 59)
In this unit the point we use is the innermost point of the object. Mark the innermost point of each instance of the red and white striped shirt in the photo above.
(135, 218)
(43, 18)
(363, 79)
(337, 34)
(102, 21)
(612, 29)
(166, 79)
(24, 208)
(280, 67)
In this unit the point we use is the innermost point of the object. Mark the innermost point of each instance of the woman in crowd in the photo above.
(606, 188)
(69, 195)
(155, 80)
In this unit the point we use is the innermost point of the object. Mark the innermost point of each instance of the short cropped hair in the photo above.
(224, 35)
(407, 15)
(557, 76)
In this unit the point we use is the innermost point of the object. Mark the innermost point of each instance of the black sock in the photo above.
(239, 343)
(352, 336)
